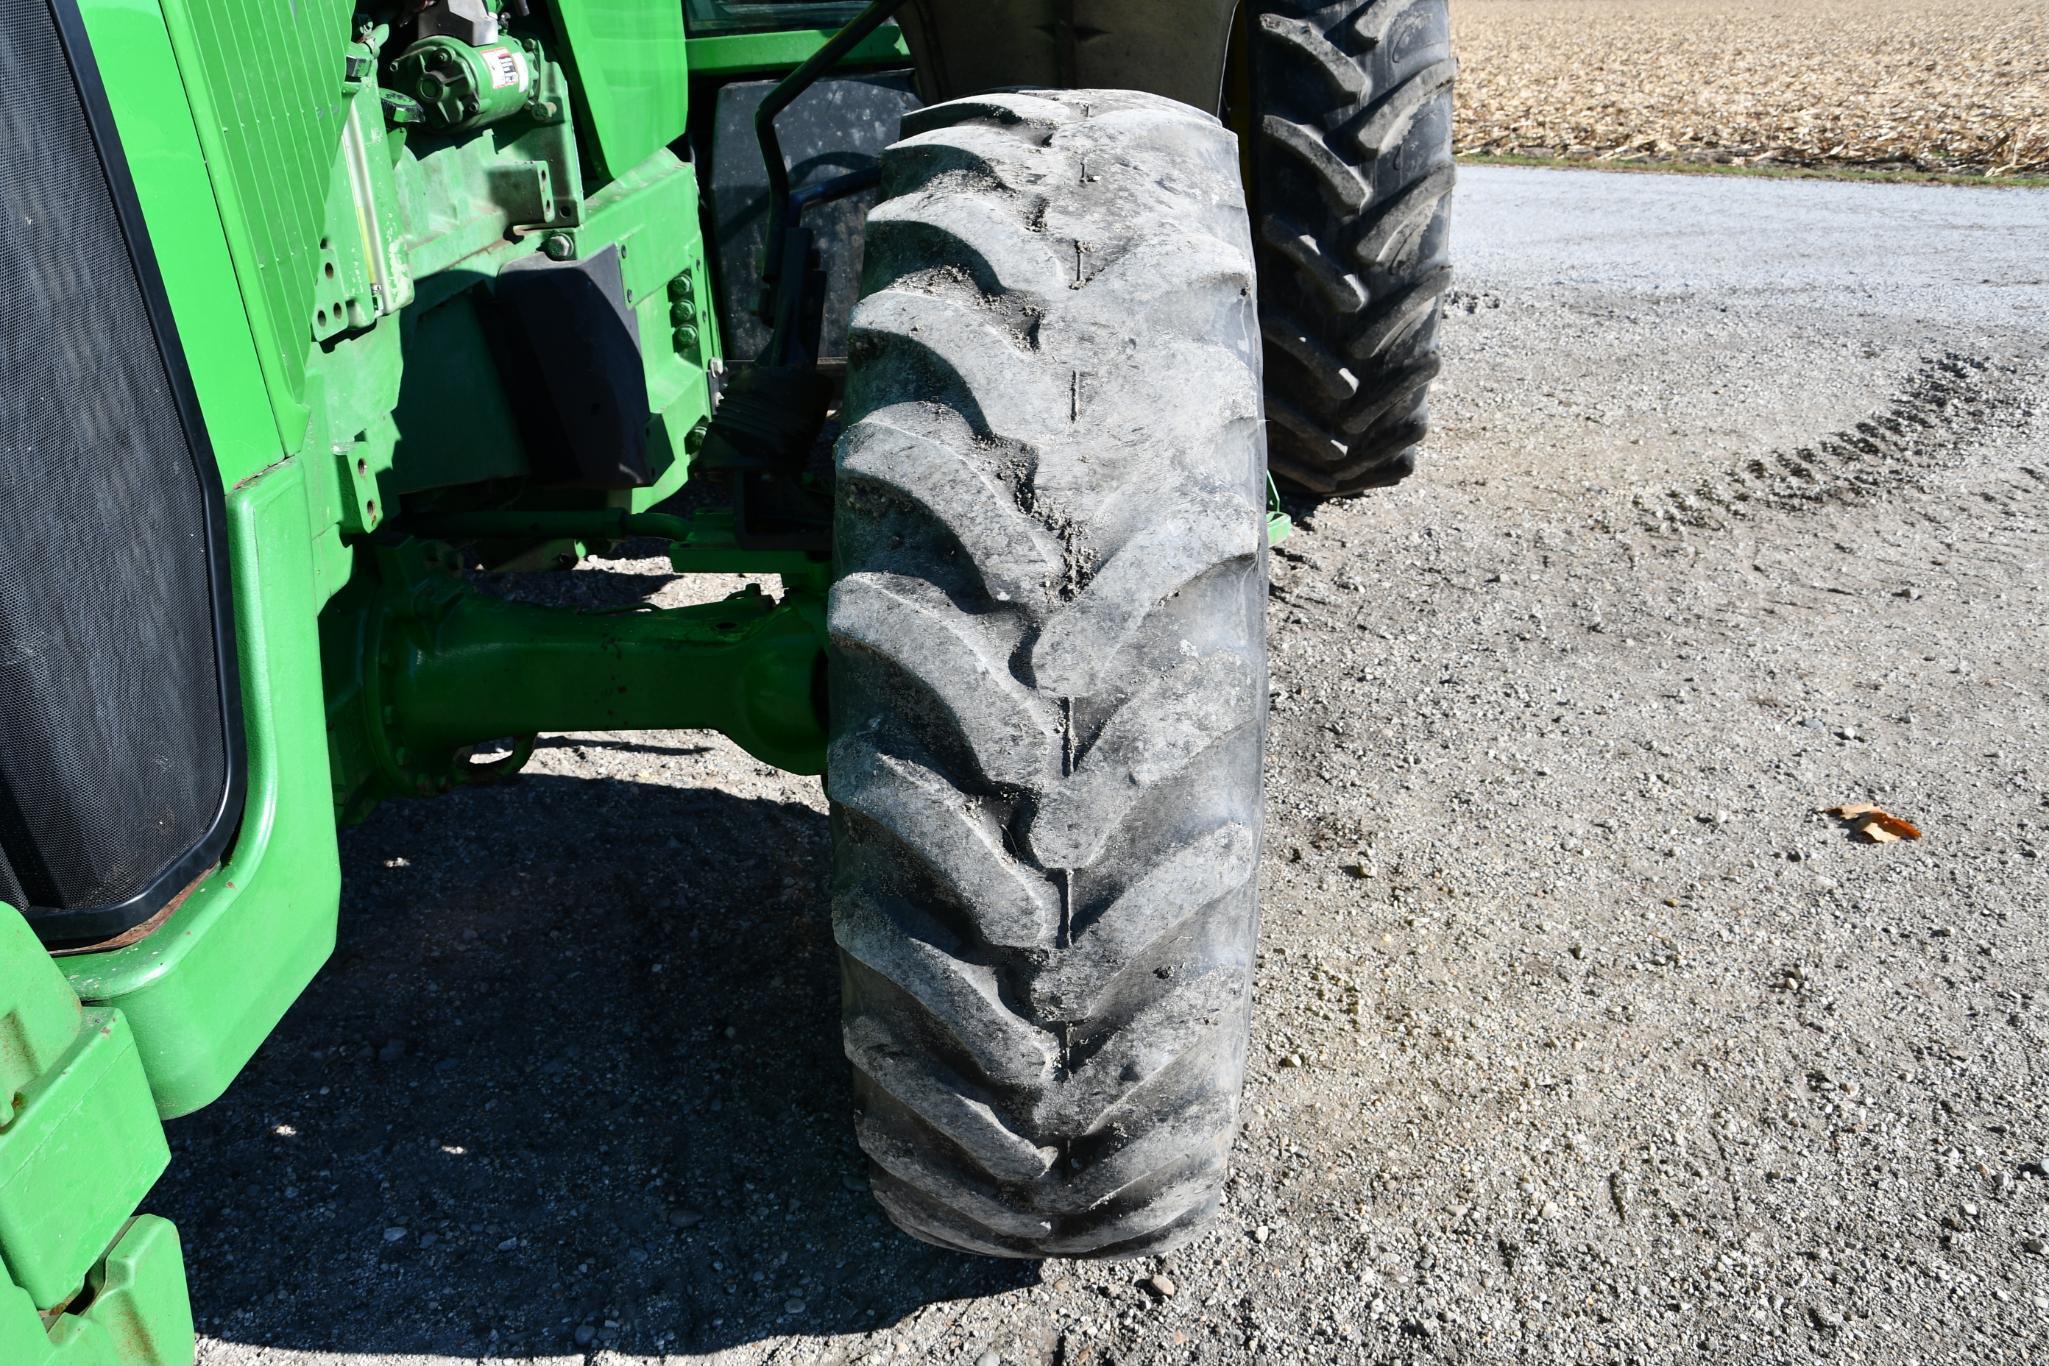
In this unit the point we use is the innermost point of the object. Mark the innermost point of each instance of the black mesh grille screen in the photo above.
(115, 763)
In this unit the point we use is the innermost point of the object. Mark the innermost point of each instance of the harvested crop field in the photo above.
(1950, 86)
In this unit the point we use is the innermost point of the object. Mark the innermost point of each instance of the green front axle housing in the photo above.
(426, 668)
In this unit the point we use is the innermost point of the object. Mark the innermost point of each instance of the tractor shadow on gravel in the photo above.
(572, 1081)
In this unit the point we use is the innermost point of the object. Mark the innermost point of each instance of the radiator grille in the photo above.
(116, 747)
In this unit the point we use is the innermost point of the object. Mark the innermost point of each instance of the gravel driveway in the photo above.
(1582, 1035)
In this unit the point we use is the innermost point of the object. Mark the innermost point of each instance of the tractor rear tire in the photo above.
(1048, 673)
(1350, 147)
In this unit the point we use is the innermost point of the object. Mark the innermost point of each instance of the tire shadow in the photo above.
(572, 1081)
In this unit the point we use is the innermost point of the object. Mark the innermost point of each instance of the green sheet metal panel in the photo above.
(632, 78)
(165, 159)
(204, 990)
(753, 54)
(265, 81)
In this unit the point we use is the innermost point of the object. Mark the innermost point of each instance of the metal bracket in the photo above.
(1279, 525)
(362, 273)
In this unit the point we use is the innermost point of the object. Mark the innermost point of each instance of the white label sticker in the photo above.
(507, 66)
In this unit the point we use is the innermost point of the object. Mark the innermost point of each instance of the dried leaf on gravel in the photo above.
(1875, 825)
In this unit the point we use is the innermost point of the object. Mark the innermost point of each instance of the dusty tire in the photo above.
(1350, 133)
(1048, 673)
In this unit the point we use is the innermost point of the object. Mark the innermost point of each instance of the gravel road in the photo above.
(1582, 1035)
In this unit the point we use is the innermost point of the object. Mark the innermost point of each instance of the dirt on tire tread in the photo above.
(1049, 675)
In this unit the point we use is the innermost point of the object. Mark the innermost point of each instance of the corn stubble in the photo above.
(1950, 86)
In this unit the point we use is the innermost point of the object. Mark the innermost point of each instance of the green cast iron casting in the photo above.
(474, 668)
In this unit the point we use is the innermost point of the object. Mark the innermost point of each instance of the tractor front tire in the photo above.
(1350, 150)
(1048, 673)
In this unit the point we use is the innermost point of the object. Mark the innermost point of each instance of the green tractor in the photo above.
(968, 331)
